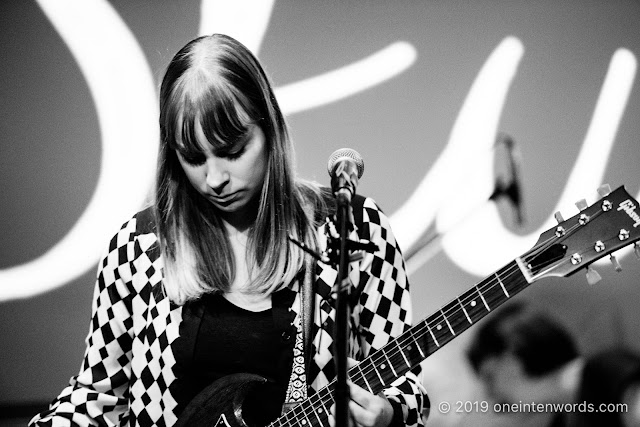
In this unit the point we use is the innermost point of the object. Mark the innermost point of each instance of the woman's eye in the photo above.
(240, 146)
(193, 159)
(236, 154)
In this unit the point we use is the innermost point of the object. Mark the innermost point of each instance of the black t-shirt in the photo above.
(218, 338)
(232, 339)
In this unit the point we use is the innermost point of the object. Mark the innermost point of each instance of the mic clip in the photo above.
(331, 256)
(356, 250)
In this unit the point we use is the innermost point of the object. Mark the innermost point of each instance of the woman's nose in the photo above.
(217, 175)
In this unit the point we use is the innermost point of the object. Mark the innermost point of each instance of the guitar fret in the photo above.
(502, 285)
(465, 311)
(418, 345)
(327, 398)
(447, 321)
(286, 418)
(432, 336)
(473, 306)
(326, 411)
(494, 295)
(390, 364)
(316, 414)
(378, 373)
(483, 300)
(517, 280)
(402, 353)
(365, 378)
(305, 421)
(324, 414)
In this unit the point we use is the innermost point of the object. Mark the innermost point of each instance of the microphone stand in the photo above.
(341, 336)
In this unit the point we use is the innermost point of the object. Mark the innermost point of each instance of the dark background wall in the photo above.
(51, 143)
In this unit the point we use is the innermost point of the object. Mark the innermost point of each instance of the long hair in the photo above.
(216, 83)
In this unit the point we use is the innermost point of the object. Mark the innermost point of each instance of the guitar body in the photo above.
(223, 403)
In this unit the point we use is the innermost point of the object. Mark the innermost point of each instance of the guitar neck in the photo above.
(405, 352)
(408, 350)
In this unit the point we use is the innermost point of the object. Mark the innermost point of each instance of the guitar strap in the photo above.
(297, 389)
(307, 307)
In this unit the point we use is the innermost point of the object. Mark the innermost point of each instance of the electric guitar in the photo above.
(596, 231)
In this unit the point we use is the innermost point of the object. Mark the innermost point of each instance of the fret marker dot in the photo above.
(439, 327)
(383, 366)
(303, 422)
(473, 303)
(319, 410)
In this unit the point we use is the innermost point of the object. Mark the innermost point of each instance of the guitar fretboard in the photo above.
(405, 352)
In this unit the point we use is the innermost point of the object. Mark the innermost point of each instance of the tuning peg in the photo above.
(636, 250)
(604, 190)
(593, 276)
(582, 204)
(615, 263)
(558, 217)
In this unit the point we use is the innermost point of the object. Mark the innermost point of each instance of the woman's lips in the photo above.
(226, 199)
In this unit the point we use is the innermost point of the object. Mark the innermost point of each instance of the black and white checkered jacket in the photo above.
(127, 372)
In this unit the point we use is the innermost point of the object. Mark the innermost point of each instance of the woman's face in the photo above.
(231, 179)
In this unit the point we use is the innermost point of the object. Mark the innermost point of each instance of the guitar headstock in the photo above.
(606, 226)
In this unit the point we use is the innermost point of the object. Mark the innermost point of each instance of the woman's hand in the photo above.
(366, 409)
(369, 410)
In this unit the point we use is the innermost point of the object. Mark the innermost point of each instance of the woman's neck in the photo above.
(240, 292)
(238, 241)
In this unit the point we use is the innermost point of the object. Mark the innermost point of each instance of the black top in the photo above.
(232, 339)
(219, 338)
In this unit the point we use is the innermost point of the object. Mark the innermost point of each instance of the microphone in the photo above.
(345, 168)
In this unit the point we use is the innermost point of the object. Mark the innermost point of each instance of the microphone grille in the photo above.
(349, 154)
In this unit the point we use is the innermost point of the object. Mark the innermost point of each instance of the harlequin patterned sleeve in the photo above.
(98, 395)
(384, 311)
